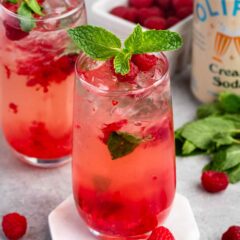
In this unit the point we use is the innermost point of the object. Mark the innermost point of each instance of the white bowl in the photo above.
(178, 59)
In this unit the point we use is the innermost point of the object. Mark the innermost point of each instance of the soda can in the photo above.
(216, 48)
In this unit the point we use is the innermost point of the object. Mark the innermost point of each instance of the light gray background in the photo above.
(36, 192)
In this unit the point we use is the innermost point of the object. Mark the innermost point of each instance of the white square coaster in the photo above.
(65, 223)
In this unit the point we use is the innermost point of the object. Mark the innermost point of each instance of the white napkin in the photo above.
(65, 223)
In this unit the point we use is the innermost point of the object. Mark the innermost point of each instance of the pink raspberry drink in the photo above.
(128, 195)
(123, 142)
(37, 69)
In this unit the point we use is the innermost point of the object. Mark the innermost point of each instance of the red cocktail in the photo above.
(123, 146)
(37, 69)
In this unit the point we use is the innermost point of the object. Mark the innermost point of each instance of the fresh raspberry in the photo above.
(213, 181)
(183, 12)
(141, 3)
(161, 233)
(145, 13)
(12, 29)
(157, 23)
(128, 13)
(144, 61)
(10, 6)
(233, 233)
(40, 2)
(182, 3)
(171, 21)
(157, 133)
(130, 77)
(119, 11)
(112, 127)
(164, 4)
(170, 13)
(14, 226)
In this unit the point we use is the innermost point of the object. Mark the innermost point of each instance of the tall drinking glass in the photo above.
(37, 79)
(123, 149)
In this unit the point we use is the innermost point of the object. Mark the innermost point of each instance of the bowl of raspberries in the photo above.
(121, 17)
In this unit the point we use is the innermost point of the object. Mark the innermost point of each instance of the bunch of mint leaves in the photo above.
(26, 11)
(215, 133)
(100, 44)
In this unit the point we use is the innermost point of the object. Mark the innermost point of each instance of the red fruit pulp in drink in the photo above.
(37, 78)
(131, 195)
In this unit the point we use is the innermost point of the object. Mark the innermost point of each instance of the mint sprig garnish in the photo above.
(101, 44)
(121, 144)
(215, 133)
(26, 10)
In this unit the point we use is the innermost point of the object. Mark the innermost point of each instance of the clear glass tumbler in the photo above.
(37, 82)
(123, 149)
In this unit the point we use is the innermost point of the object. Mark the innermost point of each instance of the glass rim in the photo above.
(47, 19)
(122, 92)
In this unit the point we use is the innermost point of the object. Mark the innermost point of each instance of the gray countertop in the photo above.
(36, 192)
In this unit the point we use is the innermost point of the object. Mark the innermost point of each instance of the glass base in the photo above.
(43, 163)
(102, 236)
(161, 218)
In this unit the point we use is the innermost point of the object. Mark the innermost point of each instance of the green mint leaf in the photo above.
(179, 141)
(188, 148)
(226, 158)
(135, 40)
(235, 118)
(222, 138)
(96, 42)
(208, 109)
(121, 144)
(201, 132)
(230, 102)
(184, 147)
(234, 174)
(34, 6)
(159, 40)
(178, 133)
(122, 62)
(27, 23)
(13, 1)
